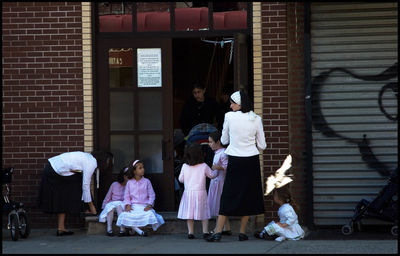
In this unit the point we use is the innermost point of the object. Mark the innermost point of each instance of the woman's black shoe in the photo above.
(243, 237)
(64, 233)
(226, 233)
(216, 237)
(191, 236)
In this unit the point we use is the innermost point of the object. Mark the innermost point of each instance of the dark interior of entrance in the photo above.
(206, 61)
(200, 60)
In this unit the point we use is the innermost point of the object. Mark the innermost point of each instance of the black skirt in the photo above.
(60, 194)
(242, 194)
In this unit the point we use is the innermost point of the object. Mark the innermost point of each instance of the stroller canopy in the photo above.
(200, 132)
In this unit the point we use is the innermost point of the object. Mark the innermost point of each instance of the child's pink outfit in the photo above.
(194, 205)
(139, 193)
(216, 184)
(113, 200)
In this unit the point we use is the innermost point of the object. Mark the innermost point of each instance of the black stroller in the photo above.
(383, 207)
(18, 222)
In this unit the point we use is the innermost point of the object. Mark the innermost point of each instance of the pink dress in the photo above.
(113, 200)
(193, 205)
(216, 185)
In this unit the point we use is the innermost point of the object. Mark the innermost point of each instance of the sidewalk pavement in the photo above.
(44, 241)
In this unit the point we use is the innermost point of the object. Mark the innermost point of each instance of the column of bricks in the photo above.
(275, 91)
(295, 42)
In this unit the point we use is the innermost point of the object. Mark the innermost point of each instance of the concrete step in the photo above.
(173, 225)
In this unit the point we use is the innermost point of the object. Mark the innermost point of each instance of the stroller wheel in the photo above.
(14, 227)
(359, 228)
(394, 230)
(347, 230)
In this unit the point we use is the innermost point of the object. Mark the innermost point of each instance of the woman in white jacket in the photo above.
(242, 194)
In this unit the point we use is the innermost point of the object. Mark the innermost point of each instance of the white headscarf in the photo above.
(235, 97)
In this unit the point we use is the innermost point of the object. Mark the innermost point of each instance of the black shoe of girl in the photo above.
(191, 236)
(144, 233)
(110, 233)
(226, 233)
(216, 237)
(124, 233)
(64, 233)
(243, 237)
(205, 235)
(260, 234)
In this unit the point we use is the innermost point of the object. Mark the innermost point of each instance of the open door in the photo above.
(134, 109)
(241, 65)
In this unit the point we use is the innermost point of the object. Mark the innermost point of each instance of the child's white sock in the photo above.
(138, 230)
(122, 229)
(110, 217)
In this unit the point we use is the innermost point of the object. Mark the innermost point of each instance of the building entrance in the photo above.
(142, 86)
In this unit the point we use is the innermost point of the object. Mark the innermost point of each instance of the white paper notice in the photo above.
(149, 67)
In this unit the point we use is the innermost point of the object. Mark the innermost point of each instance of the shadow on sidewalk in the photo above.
(367, 233)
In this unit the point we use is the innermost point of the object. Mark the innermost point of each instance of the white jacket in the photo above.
(245, 135)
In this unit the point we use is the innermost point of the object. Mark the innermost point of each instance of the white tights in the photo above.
(110, 217)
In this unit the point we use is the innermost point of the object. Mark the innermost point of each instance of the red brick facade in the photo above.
(283, 90)
(42, 90)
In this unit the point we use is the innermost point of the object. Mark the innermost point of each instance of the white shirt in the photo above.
(244, 136)
(63, 163)
(287, 215)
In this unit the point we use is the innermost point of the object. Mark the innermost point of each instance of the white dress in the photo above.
(286, 215)
(139, 194)
(138, 217)
(113, 200)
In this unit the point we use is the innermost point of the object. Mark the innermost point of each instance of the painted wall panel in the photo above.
(354, 49)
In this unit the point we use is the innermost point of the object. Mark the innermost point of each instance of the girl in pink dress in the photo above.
(220, 162)
(138, 202)
(194, 205)
(113, 201)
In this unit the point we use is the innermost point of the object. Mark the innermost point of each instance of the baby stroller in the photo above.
(18, 222)
(383, 207)
(199, 134)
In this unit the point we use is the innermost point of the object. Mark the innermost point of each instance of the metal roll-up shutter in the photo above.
(354, 105)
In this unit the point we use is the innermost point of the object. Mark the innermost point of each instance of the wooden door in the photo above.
(134, 111)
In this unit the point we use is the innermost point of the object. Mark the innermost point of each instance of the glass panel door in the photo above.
(133, 100)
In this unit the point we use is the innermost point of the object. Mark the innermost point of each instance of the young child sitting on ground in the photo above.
(288, 226)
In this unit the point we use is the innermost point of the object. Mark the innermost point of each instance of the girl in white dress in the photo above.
(138, 202)
(114, 201)
(288, 226)
(220, 162)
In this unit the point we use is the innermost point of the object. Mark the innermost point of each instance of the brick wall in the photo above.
(295, 44)
(282, 83)
(42, 92)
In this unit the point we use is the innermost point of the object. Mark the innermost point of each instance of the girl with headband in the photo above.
(114, 201)
(138, 202)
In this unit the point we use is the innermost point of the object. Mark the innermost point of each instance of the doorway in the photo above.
(201, 60)
(138, 122)
(209, 62)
